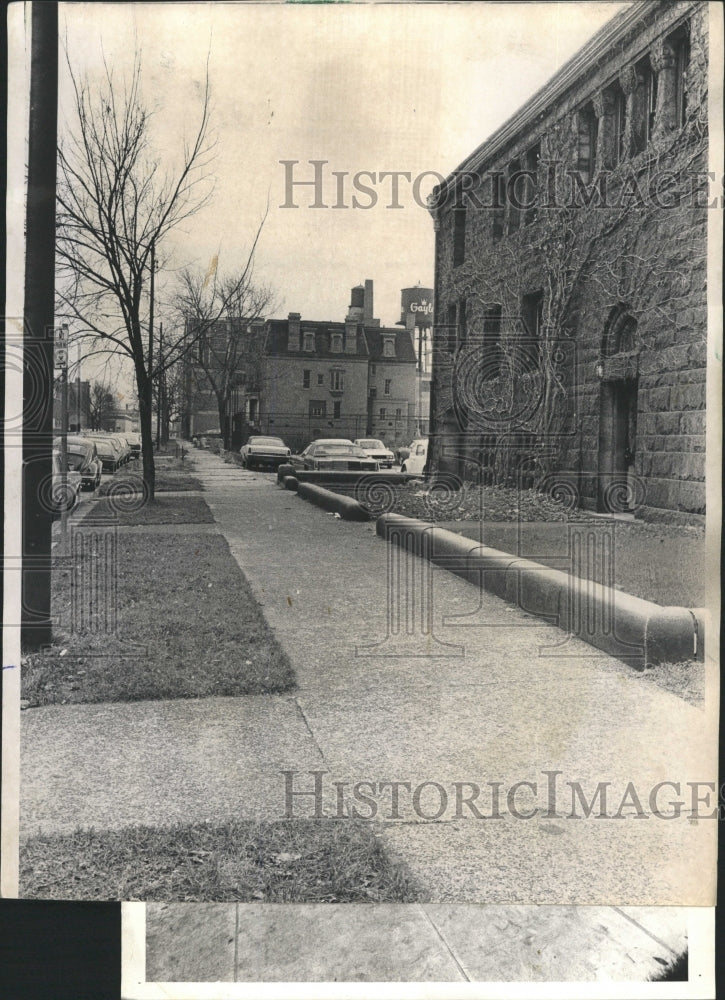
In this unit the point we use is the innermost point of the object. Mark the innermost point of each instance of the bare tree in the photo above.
(223, 317)
(100, 406)
(116, 204)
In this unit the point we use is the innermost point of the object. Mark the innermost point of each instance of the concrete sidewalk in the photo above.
(486, 699)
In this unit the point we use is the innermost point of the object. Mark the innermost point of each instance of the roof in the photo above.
(614, 34)
(278, 332)
(404, 350)
(369, 341)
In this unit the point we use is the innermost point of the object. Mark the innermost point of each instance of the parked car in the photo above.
(83, 457)
(124, 447)
(134, 443)
(415, 462)
(334, 453)
(109, 451)
(63, 496)
(374, 448)
(266, 452)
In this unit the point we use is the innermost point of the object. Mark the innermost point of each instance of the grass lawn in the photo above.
(187, 625)
(656, 562)
(165, 482)
(294, 861)
(686, 679)
(126, 508)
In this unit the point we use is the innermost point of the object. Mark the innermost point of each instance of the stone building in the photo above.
(570, 292)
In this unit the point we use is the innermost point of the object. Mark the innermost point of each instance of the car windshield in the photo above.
(267, 442)
(339, 449)
(76, 460)
(372, 443)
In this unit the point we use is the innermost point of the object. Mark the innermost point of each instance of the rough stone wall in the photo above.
(653, 262)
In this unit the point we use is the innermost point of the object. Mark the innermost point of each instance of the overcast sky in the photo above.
(408, 87)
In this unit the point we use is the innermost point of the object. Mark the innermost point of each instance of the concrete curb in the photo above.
(290, 483)
(343, 477)
(639, 632)
(346, 507)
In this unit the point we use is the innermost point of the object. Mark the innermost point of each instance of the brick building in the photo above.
(570, 299)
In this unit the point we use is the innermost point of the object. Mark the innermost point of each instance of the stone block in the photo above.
(667, 423)
(688, 397)
(693, 422)
(692, 497)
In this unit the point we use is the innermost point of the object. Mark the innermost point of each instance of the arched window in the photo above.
(620, 347)
(620, 335)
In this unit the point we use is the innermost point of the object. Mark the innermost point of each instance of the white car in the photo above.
(415, 462)
(264, 452)
(374, 448)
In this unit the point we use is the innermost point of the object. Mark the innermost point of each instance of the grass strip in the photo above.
(165, 482)
(129, 509)
(293, 861)
(173, 617)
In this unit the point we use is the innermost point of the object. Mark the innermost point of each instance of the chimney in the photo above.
(368, 303)
(351, 323)
(293, 336)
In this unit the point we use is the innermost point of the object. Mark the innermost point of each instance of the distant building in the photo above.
(301, 379)
(351, 379)
(570, 286)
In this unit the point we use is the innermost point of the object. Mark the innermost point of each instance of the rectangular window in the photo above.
(336, 343)
(531, 183)
(620, 122)
(337, 408)
(372, 370)
(643, 104)
(532, 313)
(491, 326)
(398, 413)
(320, 379)
(459, 236)
(498, 201)
(587, 145)
(682, 51)
(452, 328)
(318, 408)
(309, 342)
(513, 195)
(382, 413)
(306, 378)
(388, 347)
(337, 380)
(388, 383)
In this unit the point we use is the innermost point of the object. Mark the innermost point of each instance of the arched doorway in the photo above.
(618, 372)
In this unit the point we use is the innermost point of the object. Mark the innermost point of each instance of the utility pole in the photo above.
(38, 338)
(63, 365)
(159, 387)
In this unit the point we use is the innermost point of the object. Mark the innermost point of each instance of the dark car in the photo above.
(109, 453)
(336, 454)
(83, 458)
(267, 452)
(64, 490)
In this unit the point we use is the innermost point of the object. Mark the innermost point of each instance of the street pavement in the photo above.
(496, 735)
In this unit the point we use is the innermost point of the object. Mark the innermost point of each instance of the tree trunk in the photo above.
(145, 408)
(224, 422)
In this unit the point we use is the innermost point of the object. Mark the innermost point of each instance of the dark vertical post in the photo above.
(38, 334)
(159, 384)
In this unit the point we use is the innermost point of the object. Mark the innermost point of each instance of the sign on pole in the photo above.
(61, 357)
